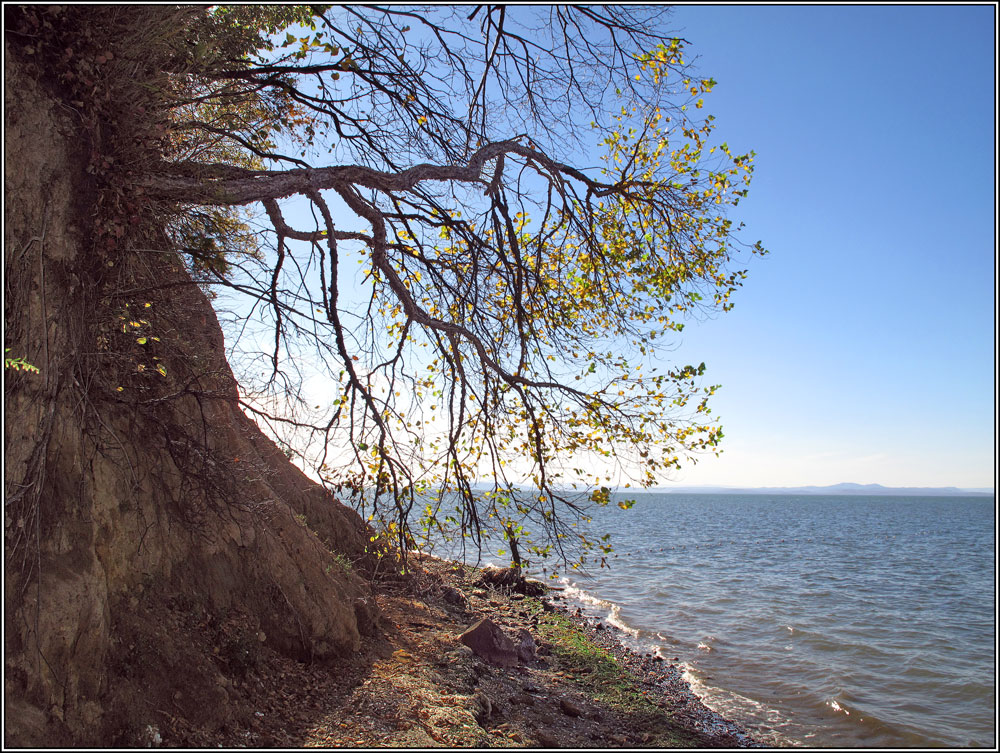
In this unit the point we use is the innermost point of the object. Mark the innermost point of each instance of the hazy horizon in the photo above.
(853, 484)
(863, 345)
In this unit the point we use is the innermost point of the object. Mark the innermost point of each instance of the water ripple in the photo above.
(829, 620)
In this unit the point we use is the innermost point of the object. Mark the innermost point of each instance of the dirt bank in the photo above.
(152, 533)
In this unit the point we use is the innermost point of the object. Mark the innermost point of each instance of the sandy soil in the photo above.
(418, 685)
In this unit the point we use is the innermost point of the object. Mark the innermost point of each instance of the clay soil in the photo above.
(416, 685)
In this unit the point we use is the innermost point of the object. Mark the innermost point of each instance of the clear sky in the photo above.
(863, 347)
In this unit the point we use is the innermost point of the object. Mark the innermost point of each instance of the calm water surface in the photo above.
(820, 620)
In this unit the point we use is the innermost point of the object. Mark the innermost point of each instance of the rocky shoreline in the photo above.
(668, 680)
(564, 681)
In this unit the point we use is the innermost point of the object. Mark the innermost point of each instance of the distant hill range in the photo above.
(859, 489)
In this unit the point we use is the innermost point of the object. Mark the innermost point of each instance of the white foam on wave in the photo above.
(615, 618)
(724, 703)
(579, 594)
(832, 703)
(609, 611)
(711, 696)
(741, 709)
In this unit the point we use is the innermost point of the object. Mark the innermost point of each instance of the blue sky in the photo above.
(863, 347)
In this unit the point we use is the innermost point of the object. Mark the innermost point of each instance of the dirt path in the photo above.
(418, 686)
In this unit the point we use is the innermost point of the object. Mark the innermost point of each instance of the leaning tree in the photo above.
(476, 229)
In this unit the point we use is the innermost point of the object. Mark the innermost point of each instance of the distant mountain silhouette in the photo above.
(845, 488)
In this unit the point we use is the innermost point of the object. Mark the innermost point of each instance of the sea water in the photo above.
(813, 620)
(817, 620)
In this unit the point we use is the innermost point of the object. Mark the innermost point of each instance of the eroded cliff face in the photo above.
(154, 538)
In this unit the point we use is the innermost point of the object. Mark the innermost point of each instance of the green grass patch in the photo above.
(590, 665)
(598, 674)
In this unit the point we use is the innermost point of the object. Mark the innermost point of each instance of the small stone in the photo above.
(546, 739)
(570, 708)
(525, 645)
(453, 596)
(151, 736)
(485, 705)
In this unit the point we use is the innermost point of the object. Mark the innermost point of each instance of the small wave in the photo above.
(769, 725)
(642, 640)
(660, 641)
(871, 728)
(833, 704)
(575, 592)
(615, 618)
